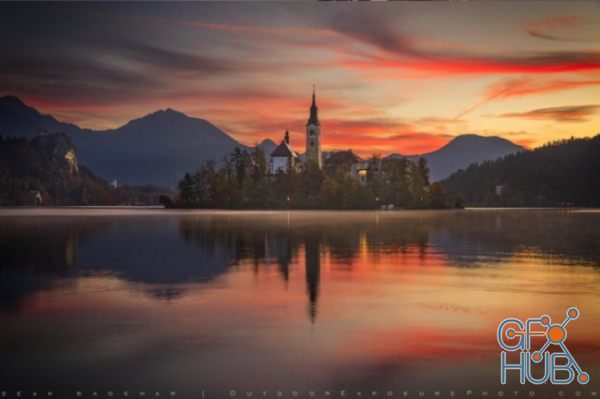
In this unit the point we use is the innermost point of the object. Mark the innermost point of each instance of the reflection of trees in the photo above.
(36, 250)
(494, 236)
(165, 253)
(264, 238)
(46, 245)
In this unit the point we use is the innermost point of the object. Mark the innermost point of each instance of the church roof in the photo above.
(314, 118)
(344, 157)
(283, 150)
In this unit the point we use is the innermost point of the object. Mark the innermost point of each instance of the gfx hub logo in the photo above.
(552, 356)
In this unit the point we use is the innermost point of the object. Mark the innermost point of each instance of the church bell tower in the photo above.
(313, 135)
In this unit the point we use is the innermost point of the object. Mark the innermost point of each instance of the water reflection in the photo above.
(344, 299)
(165, 252)
(34, 250)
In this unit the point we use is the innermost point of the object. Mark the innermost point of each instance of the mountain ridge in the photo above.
(560, 173)
(462, 151)
(139, 151)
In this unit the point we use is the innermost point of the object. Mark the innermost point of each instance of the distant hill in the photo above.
(462, 151)
(267, 146)
(562, 173)
(395, 155)
(161, 147)
(158, 148)
(45, 170)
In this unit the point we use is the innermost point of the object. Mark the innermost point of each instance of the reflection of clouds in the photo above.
(161, 254)
(405, 346)
(366, 298)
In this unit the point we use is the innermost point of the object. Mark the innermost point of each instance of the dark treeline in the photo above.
(243, 182)
(561, 173)
(45, 171)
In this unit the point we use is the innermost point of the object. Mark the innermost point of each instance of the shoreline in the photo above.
(91, 211)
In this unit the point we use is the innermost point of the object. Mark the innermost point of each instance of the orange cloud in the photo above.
(575, 113)
(524, 86)
(380, 137)
(528, 86)
(545, 64)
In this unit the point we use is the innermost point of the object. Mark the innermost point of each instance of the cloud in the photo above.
(382, 136)
(400, 50)
(573, 113)
(260, 30)
(176, 61)
(73, 79)
(366, 135)
(468, 64)
(524, 86)
(540, 28)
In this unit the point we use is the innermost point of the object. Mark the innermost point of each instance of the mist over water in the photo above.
(116, 298)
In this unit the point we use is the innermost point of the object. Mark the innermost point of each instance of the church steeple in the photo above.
(314, 118)
(313, 135)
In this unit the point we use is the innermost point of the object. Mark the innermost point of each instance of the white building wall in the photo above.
(278, 164)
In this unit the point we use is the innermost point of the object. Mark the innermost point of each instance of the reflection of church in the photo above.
(283, 249)
(312, 256)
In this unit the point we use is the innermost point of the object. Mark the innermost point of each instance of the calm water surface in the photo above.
(190, 301)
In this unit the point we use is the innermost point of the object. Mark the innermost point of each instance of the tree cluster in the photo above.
(242, 181)
(560, 173)
(44, 171)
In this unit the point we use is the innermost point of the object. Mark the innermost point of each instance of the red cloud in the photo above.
(380, 137)
(528, 86)
(544, 64)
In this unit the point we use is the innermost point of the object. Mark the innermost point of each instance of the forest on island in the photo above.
(242, 181)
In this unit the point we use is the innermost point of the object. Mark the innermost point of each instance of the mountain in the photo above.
(20, 120)
(562, 173)
(45, 170)
(161, 147)
(158, 148)
(267, 146)
(462, 151)
(394, 155)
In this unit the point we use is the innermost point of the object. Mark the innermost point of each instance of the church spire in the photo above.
(314, 118)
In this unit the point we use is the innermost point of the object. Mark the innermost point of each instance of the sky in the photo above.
(401, 77)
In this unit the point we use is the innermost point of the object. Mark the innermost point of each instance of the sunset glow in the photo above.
(405, 78)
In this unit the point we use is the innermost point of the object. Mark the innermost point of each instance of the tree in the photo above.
(423, 171)
(242, 182)
(186, 191)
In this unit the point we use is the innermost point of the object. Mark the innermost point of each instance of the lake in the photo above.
(206, 302)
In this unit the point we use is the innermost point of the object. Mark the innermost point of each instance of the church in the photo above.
(284, 159)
